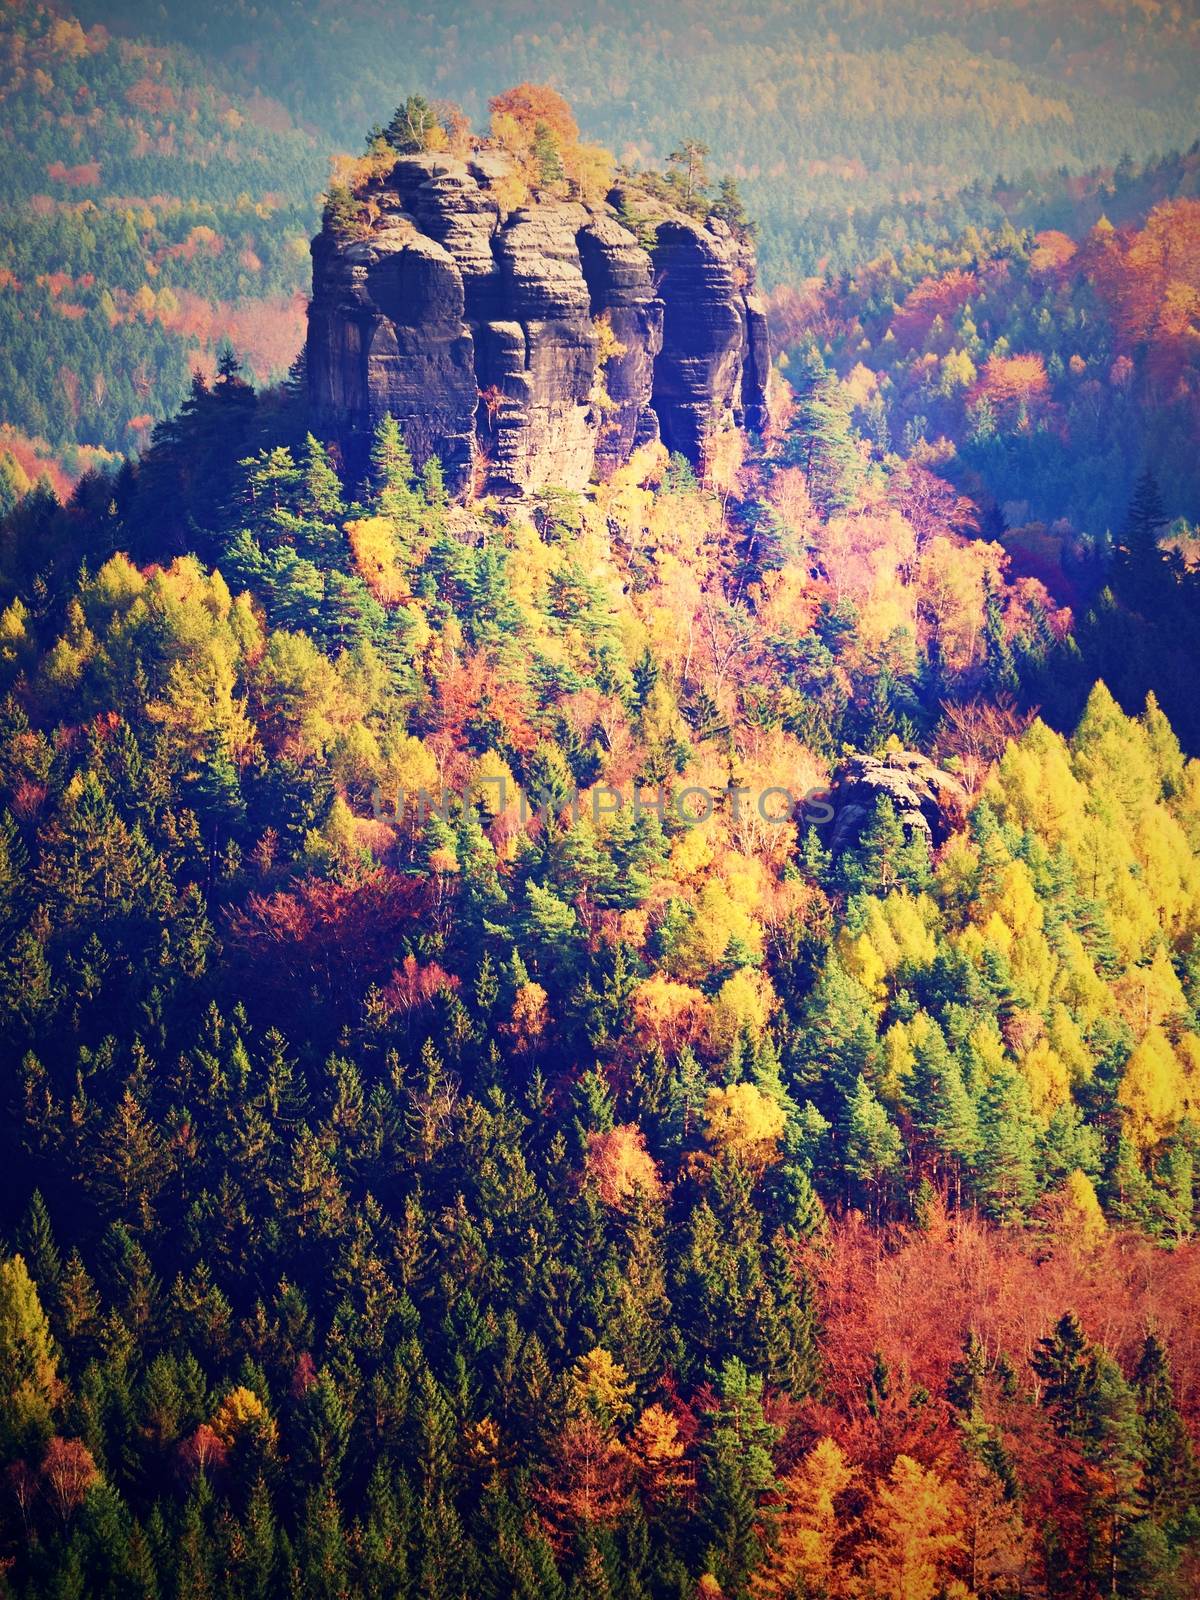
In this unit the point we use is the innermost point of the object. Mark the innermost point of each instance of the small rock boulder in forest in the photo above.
(926, 799)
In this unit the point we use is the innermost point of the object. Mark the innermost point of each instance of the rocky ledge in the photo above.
(927, 800)
(529, 347)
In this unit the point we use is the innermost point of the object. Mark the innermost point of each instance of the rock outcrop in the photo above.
(926, 799)
(532, 346)
(712, 372)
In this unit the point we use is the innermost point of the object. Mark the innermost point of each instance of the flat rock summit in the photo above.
(532, 347)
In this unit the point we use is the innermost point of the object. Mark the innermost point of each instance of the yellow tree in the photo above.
(600, 1387)
(807, 1555)
(530, 1017)
(743, 1003)
(657, 1453)
(620, 1166)
(742, 1119)
(1152, 1090)
(914, 1535)
(1078, 1219)
(376, 550)
(29, 1383)
(241, 1412)
(671, 1014)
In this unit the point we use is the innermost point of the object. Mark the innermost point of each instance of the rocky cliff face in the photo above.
(927, 800)
(529, 347)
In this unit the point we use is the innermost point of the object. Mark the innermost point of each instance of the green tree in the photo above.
(820, 438)
(411, 126)
(871, 1147)
(1140, 559)
(1005, 1176)
(1170, 1459)
(737, 1477)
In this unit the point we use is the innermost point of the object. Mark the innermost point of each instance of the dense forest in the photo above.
(465, 1137)
(631, 1044)
(1045, 369)
(822, 108)
(150, 216)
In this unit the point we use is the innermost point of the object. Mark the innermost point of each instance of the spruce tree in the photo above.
(1171, 1483)
(1140, 559)
(737, 1476)
(37, 1245)
(1065, 1361)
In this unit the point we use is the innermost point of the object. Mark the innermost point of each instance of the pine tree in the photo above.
(942, 1111)
(1124, 1560)
(790, 1323)
(320, 496)
(1171, 1483)
(521, 1564)
(1005, 1176)
(433, 487)
(838, 1044)
(322, 1550)
(871, 1147)
(79, 1303)
(1001, 668)
(130, 1165)
(260, 1565)
(411, 126)
(821, 439)
(387, 1535)
(888, 857)
(392, 473)
(737, 1474)
(547, 156)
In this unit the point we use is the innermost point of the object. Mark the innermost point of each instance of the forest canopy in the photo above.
(630, 1043)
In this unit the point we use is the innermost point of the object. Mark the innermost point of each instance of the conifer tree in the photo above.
(820, 439)
(941, 1109)
(1005, 1177)
(871, 1148)
(914, 1533)
(411, 126)
(1170, 1465)
(39, 1249)
(737, 1475)
(1141, 562)
(30, 1388)
(1065, 1362)
(392, 472)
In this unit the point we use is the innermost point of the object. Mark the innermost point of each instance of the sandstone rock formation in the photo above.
(480, 330)
(927, 800)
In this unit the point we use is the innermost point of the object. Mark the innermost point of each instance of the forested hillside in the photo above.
(823, 109)
(633, 1042)
(1046, 370)
(429, 1175)
(149, 216)
(163, 160)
